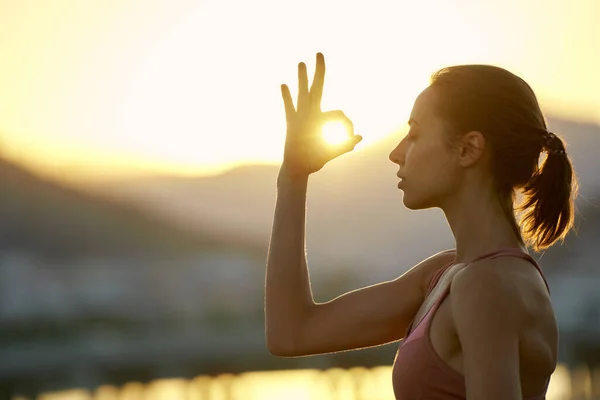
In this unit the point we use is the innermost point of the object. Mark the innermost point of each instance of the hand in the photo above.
(305, 149)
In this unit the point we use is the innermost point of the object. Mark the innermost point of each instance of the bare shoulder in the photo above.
(504, 302)
(506, 289)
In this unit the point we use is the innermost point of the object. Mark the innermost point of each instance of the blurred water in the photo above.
(309, 384)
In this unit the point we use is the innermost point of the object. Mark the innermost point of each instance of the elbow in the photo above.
(280, 345)
(285, 337)
(280, 350)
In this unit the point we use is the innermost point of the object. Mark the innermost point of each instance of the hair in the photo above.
(504, 108)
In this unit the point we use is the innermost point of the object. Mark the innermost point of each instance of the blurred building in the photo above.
(95, 291)
(573, 274)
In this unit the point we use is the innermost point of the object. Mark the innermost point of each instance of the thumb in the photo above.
(353, 141)
(349, 145)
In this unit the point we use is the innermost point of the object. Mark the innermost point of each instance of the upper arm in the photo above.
(369, 316)
(488, 318)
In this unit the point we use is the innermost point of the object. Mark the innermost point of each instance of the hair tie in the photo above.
(552, 144)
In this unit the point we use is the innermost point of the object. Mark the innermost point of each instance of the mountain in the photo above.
(355, 218)
(99, 291)
(68, 253)
(53, 221)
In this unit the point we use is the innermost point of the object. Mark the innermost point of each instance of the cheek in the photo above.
(434, 172)
(427, 161)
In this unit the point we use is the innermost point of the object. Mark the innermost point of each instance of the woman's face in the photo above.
(427, 165)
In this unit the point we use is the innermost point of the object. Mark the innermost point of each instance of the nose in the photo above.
(397, 155)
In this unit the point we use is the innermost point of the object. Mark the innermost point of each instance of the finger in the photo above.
(336, 151)
(316, 89)
(302, 88)
(288, 103)
(351, 144)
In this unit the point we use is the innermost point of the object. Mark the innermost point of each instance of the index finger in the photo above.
(288, 103)
(316, 89)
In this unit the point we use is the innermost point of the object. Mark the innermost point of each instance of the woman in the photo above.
(476, 320)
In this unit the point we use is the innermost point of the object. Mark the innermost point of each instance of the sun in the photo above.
(335, 133)
(183, 111)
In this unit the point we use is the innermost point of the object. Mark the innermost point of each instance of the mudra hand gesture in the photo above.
(306, 151)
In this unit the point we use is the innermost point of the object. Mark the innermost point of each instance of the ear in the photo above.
(471, 148)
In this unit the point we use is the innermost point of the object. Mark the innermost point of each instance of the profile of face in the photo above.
(429, 168)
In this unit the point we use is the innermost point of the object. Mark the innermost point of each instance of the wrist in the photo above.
(291, 177)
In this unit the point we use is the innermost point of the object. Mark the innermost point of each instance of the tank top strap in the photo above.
(436, 277)
(509, 251)
(513, 251)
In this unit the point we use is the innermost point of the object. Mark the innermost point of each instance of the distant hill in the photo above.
(96, 291)
(41, 217)
(355, 211)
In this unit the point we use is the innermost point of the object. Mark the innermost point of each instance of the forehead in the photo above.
(423, 107)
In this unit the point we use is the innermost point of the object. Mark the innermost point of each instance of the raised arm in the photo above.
(295, 324)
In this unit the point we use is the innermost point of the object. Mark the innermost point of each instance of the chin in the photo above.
(409, 203)
(416, 203)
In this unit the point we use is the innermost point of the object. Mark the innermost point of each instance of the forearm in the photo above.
(288, 296)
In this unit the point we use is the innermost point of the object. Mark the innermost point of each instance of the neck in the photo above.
(479, 225)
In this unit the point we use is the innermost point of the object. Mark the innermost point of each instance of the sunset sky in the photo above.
(112, 87)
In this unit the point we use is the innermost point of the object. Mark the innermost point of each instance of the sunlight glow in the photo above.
(186, 86)
(335, 133)
(299, 384)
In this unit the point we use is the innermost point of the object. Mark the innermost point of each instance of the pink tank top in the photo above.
(418, 371)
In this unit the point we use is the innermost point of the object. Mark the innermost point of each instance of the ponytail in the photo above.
(548, 205)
